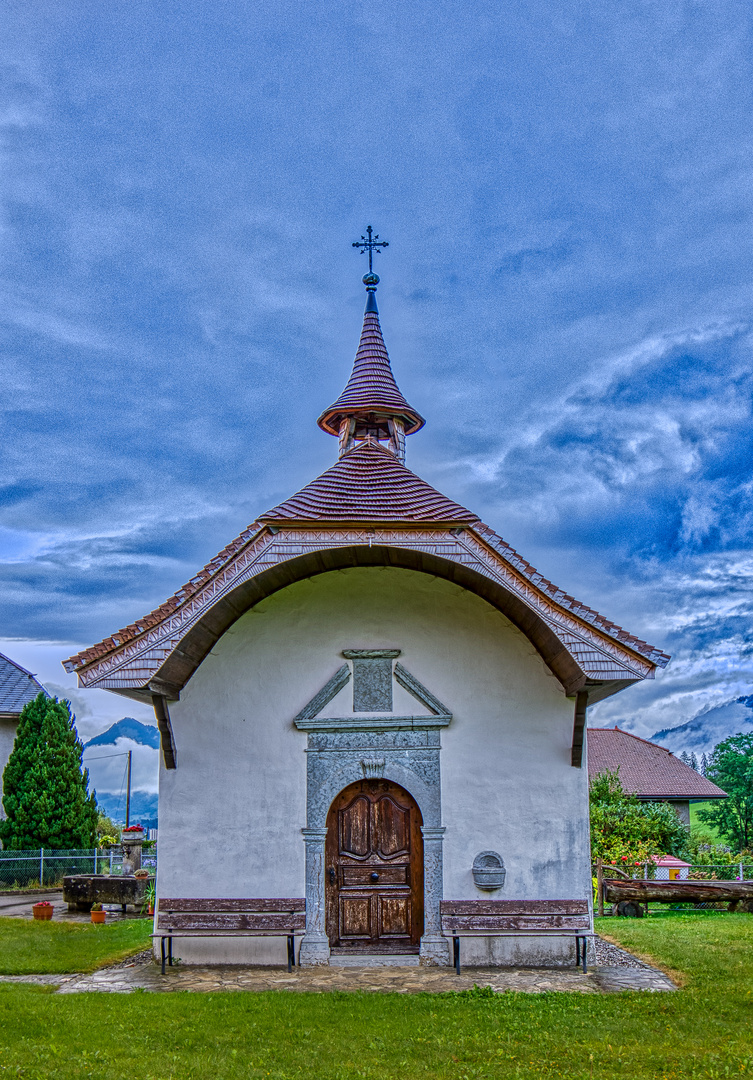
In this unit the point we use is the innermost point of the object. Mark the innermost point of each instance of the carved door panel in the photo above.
(374, 869)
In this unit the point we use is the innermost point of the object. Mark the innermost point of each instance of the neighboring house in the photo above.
(17, 687)
(668, 868)
(648, 771)
(369, 700)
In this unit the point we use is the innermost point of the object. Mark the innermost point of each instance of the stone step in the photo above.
(374, 960)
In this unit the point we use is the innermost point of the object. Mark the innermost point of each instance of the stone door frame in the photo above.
(343, 750)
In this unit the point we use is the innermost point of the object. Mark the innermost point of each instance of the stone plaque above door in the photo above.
(372, 678)
(373, 673)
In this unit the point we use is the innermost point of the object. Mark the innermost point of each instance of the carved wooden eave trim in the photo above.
(162, 657)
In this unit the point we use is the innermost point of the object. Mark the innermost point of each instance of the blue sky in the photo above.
(566, 190)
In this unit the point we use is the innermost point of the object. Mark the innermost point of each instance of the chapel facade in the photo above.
(370, 700)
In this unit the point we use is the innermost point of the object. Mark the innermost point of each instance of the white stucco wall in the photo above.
(7, 738)
(231, 813)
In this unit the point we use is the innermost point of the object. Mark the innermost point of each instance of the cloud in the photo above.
(565, 297)
(107, 767)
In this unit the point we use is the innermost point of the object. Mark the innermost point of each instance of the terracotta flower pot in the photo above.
(98, 916)
(42, 911)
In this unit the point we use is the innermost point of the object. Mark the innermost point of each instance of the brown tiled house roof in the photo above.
(646, 769)
(369, 484)
(371, 385)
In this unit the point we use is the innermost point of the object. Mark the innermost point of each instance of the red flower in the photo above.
(624, 858)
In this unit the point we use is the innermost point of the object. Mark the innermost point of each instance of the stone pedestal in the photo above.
(434, 948)
(131, 851)
(314, 943)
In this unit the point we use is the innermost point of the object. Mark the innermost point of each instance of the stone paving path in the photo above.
(615, 970)
(142, 973)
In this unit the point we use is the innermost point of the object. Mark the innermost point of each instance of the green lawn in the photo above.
(695, 820)
(28, 947)
(704, 1031)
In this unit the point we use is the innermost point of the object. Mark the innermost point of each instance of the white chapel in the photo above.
(370, 702)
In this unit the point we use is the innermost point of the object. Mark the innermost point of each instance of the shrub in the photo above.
(626, 832)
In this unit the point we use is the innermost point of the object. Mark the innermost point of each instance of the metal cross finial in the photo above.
(371, 244)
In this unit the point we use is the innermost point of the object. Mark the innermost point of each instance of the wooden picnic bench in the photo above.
(229, 918)
(516, 918)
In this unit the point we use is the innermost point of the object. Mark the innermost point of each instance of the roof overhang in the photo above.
(162, 658)
(679, 798)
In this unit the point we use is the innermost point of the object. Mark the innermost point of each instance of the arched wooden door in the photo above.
(374, 869)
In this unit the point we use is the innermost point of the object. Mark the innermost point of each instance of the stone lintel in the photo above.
(371, 654)
(371, 723)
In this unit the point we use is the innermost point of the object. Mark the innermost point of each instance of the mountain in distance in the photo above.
(127, 728)
(107, 771)
(701, 734)
(143, 811)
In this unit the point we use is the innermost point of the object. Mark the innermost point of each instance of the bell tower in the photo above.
(371, 407)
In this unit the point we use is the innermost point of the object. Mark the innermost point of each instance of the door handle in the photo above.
(332, 876)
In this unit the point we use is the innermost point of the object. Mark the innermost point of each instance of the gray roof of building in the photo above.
(17, 686)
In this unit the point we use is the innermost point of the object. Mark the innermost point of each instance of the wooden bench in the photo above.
(516, 918)
(229, 918)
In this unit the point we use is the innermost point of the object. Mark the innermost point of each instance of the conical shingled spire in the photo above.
(371, 405)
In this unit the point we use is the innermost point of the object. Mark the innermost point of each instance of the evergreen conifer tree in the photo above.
(44, 787)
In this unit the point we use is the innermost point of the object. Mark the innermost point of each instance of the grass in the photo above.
(696, 821)
(704, 1031)
(56, 948)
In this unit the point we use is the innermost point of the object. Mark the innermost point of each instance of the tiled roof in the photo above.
(169, 607)
(372, 386)
(17, 686)
(368, 484)
(646, 769)
(589, 615)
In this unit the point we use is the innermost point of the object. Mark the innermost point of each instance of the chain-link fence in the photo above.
(735, 871)
(739, 871)
(46, 867)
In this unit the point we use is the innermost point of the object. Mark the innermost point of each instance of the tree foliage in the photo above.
(730, 766)
(44, 786)
(626, 832)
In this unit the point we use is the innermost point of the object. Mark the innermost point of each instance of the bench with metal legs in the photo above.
(517, 918)
(186, 918)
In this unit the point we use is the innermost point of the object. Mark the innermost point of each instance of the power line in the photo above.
(103, 757)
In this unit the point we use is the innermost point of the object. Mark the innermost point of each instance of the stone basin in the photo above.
(80, 891)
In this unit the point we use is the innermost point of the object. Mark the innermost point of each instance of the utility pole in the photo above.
(128, 792)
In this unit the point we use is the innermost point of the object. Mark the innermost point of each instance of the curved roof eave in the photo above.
(160, 658)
